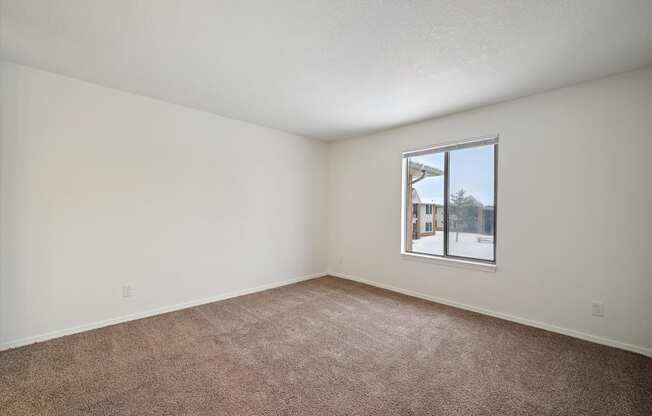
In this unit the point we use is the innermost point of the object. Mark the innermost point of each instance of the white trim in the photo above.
(404, 204)
(447, 146)
(449, 261)
(548, 327)
(152, 312)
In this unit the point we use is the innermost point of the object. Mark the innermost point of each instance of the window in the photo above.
(460, 181)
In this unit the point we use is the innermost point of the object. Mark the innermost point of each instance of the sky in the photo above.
(471, 169)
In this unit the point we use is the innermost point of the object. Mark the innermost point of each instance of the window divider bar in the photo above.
(446, 190)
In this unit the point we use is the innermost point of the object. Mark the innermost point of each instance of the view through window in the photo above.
(451, 201)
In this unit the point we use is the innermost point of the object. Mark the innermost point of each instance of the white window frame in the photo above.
(437, 259)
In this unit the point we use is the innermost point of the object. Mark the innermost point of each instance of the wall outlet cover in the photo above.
(597, 308)
(126, 291)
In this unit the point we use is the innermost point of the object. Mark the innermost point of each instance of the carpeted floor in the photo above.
(323, 347)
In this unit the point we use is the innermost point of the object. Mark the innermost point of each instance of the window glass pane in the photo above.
(425, 216)
(471, 200)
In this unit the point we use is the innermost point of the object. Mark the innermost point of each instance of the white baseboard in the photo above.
(507, 317)
(139, 315)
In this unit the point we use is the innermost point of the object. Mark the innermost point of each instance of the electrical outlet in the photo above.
(597, 308)
(340, 261)
(126, 291)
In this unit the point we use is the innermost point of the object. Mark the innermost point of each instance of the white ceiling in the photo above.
(329, 68)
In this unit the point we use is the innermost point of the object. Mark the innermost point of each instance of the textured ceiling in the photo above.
(329, 68)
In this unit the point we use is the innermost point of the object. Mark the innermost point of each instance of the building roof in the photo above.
(418, 169)
(415, 197)
(432, 201)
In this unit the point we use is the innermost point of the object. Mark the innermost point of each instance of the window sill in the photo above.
(443, 261)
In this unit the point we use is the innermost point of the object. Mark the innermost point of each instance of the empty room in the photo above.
(325, 207)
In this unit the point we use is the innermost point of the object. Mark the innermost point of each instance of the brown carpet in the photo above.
(323, 347)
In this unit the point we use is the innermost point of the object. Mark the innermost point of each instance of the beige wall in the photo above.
(561, 154)
(102, 188)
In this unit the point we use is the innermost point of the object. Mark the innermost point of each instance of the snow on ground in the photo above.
(467, 245)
